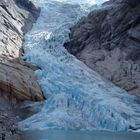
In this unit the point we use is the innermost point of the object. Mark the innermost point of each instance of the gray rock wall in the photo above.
(108, 41)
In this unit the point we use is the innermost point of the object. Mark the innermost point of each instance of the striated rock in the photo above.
(17, 80)
(108, 41)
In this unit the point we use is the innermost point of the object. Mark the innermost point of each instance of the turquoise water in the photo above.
(79, 135)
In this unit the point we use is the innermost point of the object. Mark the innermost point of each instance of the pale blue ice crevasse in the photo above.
(77, 97)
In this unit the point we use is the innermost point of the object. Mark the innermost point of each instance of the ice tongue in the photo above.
(77, 97)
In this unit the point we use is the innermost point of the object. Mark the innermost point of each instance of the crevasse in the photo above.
(77, 97)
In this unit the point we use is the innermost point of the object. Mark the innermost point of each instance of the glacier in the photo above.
(77, 98)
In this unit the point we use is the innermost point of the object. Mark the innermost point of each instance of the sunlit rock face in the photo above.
(17, 80)
(77, 97)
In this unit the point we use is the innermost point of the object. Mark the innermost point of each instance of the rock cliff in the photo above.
(108, 41)
(17, 80)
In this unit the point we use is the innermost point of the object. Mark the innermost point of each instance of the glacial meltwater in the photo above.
(80, 135)
(77, 98)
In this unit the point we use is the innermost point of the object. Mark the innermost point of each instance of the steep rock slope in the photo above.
(17, 80)
(108, 41)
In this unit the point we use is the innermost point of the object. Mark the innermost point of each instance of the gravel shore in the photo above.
(8, 121)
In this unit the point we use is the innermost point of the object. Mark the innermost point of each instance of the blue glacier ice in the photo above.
(77, 97)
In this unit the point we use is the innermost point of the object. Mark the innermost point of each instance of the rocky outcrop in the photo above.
(17, 80)
(108, 41)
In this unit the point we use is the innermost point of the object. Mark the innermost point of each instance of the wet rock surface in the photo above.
(108, 41)
(17, 80)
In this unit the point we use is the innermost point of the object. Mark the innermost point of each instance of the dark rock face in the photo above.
(17, 80)
(34, 13)
(108, 41)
